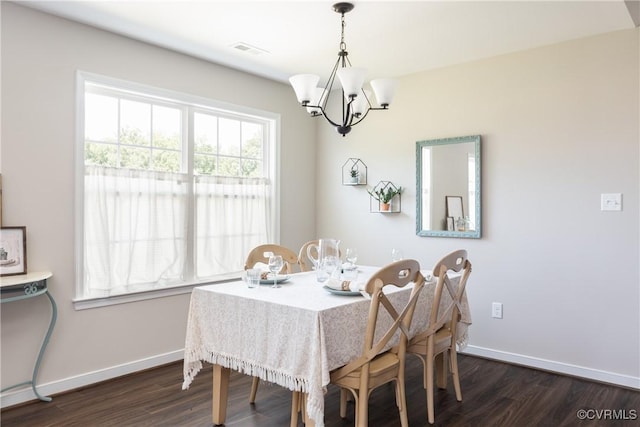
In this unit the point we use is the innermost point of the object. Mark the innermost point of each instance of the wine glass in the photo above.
(275, 265)
(396, 254)
(352, 257)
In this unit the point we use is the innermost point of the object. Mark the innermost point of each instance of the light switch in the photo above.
(611, 202)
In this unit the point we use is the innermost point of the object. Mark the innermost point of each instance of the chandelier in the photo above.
(356, 101)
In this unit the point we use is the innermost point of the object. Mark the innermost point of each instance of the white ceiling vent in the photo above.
(245, 47)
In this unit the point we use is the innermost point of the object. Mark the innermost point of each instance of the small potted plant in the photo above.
(384, 195)
(354, 173)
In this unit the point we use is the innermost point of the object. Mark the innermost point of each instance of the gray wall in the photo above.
(40, 57)
(559, 126)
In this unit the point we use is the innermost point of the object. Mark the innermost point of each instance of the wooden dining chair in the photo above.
(306, 264)
(440, 335)
(303, 259)
(376, 367)
(259, 254)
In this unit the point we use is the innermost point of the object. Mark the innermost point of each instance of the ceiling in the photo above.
(389, 38)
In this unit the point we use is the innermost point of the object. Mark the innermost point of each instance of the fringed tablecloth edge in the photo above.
(193, 365)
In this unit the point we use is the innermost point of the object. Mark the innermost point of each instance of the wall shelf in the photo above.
(383, 187)
(354, 164)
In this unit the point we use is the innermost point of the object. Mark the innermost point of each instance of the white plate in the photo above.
(343, 293)
(269, 280)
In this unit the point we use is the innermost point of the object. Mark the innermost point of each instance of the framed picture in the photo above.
(454, 207)
(13, 251)
(449, 223)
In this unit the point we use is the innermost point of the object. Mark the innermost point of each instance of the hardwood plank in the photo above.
(494, 394)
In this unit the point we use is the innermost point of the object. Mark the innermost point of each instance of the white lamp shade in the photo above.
(316, 99)
(305, 86)
(384, 90)
(351, 79)
(360, 105)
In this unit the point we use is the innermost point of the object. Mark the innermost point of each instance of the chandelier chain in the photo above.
(343, 45)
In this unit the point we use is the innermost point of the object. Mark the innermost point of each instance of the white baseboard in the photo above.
(553, 366)
(11, 398)
(21, 395)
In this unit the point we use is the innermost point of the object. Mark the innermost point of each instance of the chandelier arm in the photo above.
(348, 117)
(345, 109)
(361, 118)
(327, 117)
(332, 77)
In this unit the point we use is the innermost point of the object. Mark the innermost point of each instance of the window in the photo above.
(172, 189)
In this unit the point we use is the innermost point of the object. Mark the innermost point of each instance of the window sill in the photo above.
(89, 303)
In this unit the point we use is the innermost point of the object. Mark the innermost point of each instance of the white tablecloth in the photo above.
(293, 336)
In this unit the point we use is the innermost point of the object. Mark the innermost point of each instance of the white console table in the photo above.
(23, 286)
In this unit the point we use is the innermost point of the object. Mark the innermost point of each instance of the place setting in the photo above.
(266, 274)
(336, 277)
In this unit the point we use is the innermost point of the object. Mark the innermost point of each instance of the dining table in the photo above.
(293, 336)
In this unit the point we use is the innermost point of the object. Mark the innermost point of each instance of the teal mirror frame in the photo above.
(420, 165)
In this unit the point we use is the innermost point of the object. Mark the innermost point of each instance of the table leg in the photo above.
(308, 422)
(45, 342)
(220, 394)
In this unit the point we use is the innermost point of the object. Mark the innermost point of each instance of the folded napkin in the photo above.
(261, 266)
(345, 285)
(264, 269)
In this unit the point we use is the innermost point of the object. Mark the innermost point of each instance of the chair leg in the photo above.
(453, 355)
(430, 410)
(343, 402)
(425, 366)
(362, 408)
(401, 401)
(254, 390)
(429, 374)
(442, 365)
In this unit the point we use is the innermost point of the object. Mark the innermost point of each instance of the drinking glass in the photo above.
(352, 257)
(396, 254)
(253, 277)
(330, 265)
(275, 265)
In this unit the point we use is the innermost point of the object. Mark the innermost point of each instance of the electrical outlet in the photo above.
(496, 310)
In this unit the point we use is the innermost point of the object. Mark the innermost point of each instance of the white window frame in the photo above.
(196, 103)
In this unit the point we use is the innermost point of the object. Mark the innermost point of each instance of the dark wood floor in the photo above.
(494, 394)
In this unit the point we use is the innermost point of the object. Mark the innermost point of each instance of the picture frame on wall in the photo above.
(13, 251)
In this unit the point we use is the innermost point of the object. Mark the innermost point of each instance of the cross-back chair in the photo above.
(306, 264)
(440, 335)
(258, 254)
(377, 366)
(303, 259)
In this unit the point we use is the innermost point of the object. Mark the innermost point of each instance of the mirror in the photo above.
(448, 187)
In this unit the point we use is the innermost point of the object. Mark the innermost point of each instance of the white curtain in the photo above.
(233, 215)
(135, 230)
